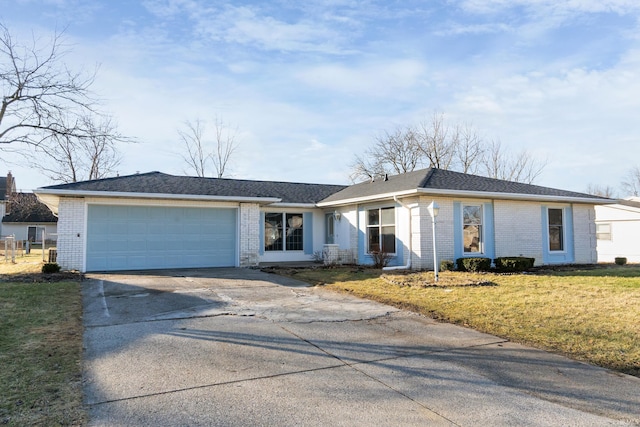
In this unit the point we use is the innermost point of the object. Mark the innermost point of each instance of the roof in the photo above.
(163, 184)
(632, 202)
(445, 182)
(26, 208)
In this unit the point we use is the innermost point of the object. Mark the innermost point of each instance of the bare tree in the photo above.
(393, 152)
(631, 183)
(68, 158)
(470, 150)
(38, 90)
(192, 140)
(601, 191)
(225, 145)
(201, 154)
(437, 141)
(501, 164)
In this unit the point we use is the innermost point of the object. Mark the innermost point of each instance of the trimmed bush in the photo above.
(50, 267)
(513, 264)
(446, 265)
(620, 260)
(473, 264)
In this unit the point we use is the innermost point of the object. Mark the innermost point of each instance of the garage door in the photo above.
(148, 237)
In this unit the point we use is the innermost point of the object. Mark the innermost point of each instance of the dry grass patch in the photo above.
(589, 315)
(24, 264)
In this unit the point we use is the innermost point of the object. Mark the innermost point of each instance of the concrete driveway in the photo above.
(239, 347)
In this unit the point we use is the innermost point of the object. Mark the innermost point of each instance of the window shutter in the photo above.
(307, 232)
(261, 233)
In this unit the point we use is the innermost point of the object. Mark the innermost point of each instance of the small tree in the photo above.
(41, 98)
(631, 183)
(601, 191)
(202, 155)
(69, 158)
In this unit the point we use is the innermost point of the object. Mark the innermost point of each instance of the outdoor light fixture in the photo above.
(337, 215)
(434, 209)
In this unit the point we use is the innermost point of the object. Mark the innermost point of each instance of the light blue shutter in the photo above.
(307, 232)
(261, 233)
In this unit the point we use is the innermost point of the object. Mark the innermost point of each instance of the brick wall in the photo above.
(423, 232)
(71, 229)
(249, 234)
(518, 229)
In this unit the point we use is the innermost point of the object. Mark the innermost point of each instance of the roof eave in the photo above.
(294, 205)
(50, 197)
(515, 196)
(365, 199)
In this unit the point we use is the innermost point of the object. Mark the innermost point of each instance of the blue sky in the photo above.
(309, 84)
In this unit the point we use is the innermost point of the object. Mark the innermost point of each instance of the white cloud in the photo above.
(380, 79)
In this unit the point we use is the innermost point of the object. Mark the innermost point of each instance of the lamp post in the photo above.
(433, 209)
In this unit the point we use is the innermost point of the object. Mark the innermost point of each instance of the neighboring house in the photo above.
(7, 188)
(618, 230)
(29, 219)
(154, 220)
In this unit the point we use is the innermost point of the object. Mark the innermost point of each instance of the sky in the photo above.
(310, 84)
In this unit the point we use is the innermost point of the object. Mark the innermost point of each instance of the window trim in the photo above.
(283, 231)
(481, 243)
(380, 226)
(609, 233)
(563, 234)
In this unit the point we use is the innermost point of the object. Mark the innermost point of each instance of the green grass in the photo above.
(590, 315)
(40, 353)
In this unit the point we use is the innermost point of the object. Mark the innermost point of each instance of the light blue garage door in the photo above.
(146, 237)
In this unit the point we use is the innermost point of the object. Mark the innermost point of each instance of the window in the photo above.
(472, 228)
(34, 234)
(381, 230)
(283, 231)
(556, 232)
(603, 231)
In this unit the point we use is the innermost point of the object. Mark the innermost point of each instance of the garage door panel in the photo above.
(142, 237)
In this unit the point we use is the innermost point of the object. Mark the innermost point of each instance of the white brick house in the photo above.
(154, 220)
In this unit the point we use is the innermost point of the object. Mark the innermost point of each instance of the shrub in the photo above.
(50, 267)
(621, 260)
(380, 259)
(510, 264)
(473, 264)
(446, 265)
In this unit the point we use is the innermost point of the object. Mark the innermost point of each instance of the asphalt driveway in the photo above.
(238, 347)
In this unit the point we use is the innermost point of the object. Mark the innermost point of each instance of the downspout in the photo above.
(408, 265)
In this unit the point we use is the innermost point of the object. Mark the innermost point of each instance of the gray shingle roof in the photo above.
(160, 183)
(27, 208)
(443, 180)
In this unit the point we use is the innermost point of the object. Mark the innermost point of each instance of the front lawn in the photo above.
(591, 315)
(40, 346)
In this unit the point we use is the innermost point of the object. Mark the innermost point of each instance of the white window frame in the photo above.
(380, 226)
(606, 233)
(563, 234)
(285, 229)
(480, 232)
